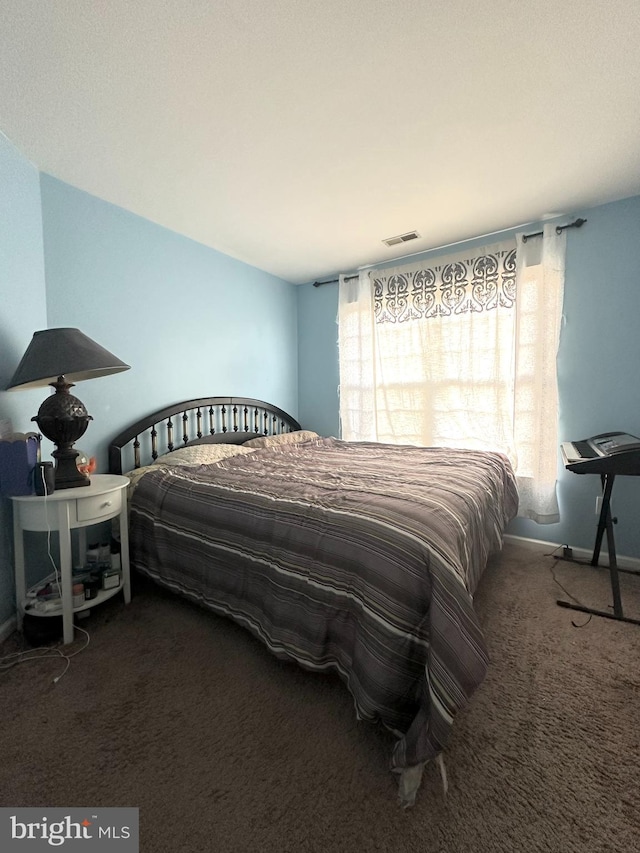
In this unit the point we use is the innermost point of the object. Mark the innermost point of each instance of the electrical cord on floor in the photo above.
(555, 556)
(42, 652)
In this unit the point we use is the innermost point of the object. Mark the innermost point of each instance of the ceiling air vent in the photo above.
(401, 238)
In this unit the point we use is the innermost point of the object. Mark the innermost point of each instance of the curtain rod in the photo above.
(578, 223)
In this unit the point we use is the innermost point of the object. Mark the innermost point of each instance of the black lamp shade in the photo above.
(63, 352)
(58, 357)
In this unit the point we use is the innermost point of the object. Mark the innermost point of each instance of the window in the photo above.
(460, 351)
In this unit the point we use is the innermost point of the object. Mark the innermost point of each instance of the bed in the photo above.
(356, 557)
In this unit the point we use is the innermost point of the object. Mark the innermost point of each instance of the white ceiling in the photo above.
(296, 135)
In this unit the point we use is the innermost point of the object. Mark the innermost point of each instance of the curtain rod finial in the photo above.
(578, 223)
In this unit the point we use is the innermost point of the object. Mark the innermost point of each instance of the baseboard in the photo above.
(542, 546)
(7, 628)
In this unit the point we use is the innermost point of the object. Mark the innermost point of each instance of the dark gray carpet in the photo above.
(224, 748)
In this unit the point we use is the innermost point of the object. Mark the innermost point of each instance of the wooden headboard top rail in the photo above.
(218, 419)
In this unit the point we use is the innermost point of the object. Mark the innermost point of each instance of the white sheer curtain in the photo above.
(444, 353)
(540, 295)
(357, 348)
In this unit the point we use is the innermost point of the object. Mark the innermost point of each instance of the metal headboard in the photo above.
(229, 420)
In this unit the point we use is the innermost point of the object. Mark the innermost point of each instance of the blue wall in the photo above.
(598, 362)
(318, 358)
(190, 321)
(23, 306)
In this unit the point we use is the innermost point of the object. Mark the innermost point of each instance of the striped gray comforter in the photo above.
(357, 557)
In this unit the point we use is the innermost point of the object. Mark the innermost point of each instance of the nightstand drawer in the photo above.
(95, 508)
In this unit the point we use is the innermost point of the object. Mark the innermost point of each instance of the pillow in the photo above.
(283, 438)
(183, 456)
(201, 454)
(220, 438)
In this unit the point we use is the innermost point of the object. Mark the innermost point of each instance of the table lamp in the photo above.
(60, 357)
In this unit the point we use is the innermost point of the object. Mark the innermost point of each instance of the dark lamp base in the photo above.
(67, 474)
(63, 419)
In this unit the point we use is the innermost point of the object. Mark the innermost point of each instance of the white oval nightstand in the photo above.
(63, 511)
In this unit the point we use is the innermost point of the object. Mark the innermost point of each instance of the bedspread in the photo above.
(352, 556)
